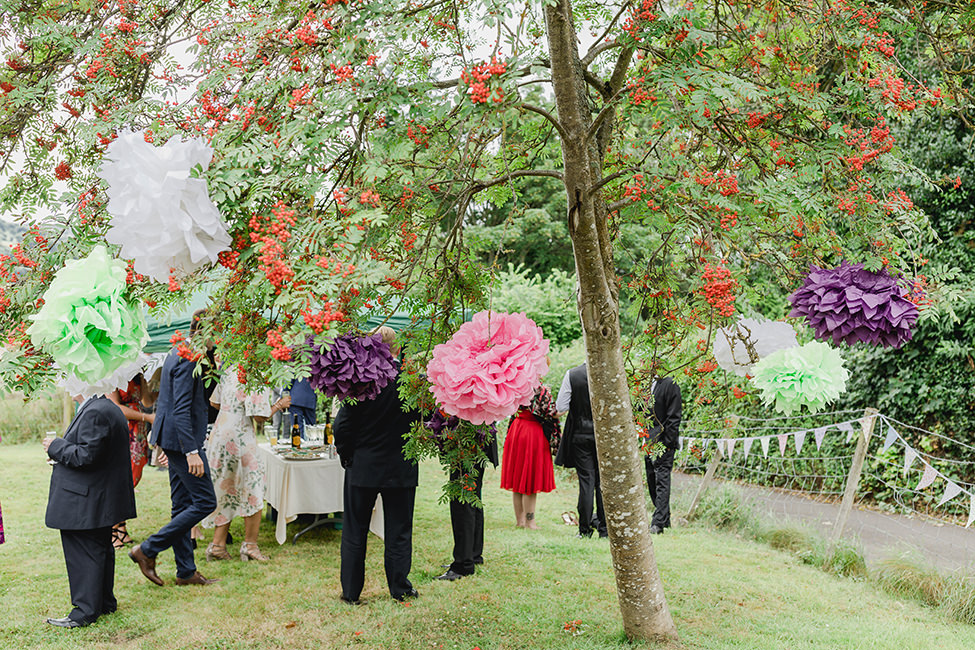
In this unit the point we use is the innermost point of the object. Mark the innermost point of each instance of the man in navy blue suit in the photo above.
(91, 489)
(180, 429)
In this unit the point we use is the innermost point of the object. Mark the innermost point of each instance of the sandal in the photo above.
(217, 552)
(120, 536)
(250, 551)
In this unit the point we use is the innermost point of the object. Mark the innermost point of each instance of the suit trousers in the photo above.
(658, 481)
(90, 560)
(584, 449)
(398, 531)
(193, 499)
(467, 524)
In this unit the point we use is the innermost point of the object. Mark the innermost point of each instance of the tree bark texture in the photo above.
(642, 603)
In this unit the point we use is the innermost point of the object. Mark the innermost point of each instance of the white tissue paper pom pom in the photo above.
(162, 217)
(118, 379)
(765, 337)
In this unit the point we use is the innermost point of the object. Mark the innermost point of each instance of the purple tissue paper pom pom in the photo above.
(852, 305)
(352, 366)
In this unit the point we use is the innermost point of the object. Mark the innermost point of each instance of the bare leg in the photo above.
(252, 525)
(249, 549)
(519, 509)
(220, 534)
(528, 503)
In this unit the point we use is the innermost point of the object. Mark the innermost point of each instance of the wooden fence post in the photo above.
(732, 422)
(867, 423)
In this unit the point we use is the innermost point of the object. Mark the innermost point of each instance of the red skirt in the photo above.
(526, 463)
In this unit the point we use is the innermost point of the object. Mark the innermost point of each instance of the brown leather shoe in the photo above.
(196, 579)
(146, 564)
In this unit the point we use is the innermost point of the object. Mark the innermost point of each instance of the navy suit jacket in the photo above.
(91, 486)
(181, 409)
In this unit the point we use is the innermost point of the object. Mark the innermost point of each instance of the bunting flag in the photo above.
(748, 445)
(930, 474)
(951, 491)
(800, 438)
(731, 446)
(909, 456)
(865, 425)
(890, 439)
(783, 437)
(848, 427)
(765, 440)
(971, 512)
(819, 433)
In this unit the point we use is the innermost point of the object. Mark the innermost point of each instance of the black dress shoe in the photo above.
(656, 530)
(65, 622)
(449, 574)
(349, 601)
(412, 593)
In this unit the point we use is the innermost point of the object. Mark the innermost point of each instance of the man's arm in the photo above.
(93, 433)
(564, 399)
(343, 433)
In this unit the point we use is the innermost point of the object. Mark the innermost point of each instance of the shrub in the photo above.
(907, 576)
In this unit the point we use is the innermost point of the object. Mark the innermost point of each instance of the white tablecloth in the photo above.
(295, 487)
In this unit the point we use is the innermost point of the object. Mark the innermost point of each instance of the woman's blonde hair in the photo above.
(388, 336)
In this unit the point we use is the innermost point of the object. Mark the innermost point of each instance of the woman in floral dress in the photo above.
(235, 466)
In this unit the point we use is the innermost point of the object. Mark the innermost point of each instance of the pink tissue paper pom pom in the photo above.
(490, 367)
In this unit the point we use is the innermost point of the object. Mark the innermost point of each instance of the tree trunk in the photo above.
(641, 596)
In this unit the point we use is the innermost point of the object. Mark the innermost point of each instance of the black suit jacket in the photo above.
(181, 409)
(666, 412)
(370, 437)
(91, 486)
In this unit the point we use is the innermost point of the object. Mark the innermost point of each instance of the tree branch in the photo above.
(520, 173)
(548, 116)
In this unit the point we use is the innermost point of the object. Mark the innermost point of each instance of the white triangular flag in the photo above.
(890, 439)
(705, 443)
(930, 474)
(748, 446)
(765, 440)
(951, 491)
(848, 427)
(800, 438)
(680, 443)
(909, 456)
(971, 512)
(783, 437)
(731, 446)
(820, 433)
(866, 425)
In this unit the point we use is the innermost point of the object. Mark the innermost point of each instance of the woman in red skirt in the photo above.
(526, 464)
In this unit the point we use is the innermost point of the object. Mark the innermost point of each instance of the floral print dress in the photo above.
(235, 466)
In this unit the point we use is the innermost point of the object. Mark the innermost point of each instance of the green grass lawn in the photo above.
(724, 592)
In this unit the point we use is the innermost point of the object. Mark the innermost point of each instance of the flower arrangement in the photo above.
(850, 304)
(86, 324)
(739, 346)
(489, 368)
(162, 217)
(810, 375)
(352, 366)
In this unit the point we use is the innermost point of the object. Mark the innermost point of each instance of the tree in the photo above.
(354, 140)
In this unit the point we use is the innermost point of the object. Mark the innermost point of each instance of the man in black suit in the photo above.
(91, 490)
(665, 414)
(578, 449)
(180, 429)
(369, 436)
(467, 522)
